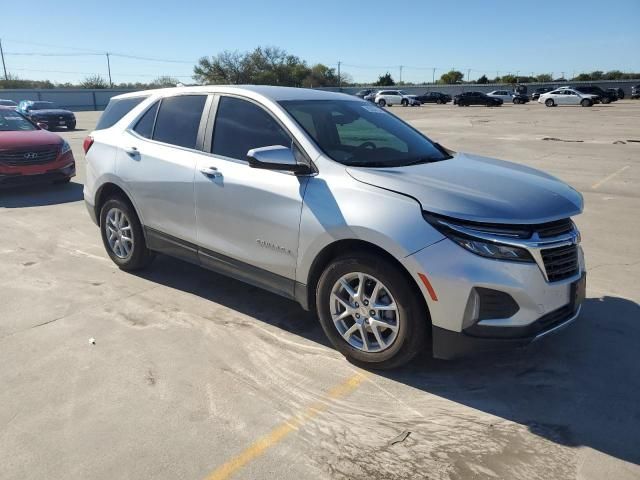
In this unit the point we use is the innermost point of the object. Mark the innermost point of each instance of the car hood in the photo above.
(52, 111)
(26, 139)
(481, 189)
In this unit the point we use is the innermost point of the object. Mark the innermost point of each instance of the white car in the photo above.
(503, 95)
(395, 97)
(567, 96)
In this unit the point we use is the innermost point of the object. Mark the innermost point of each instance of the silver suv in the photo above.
(327, 199)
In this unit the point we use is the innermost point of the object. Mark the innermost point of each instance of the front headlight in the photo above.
(493, 250)
(65, 147)
(482, 246)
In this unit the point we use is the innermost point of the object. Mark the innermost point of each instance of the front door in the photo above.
(247, 219)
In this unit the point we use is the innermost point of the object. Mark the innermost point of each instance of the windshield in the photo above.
(10, 121)
(361, 134)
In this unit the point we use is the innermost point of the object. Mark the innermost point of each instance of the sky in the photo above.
(368, 38)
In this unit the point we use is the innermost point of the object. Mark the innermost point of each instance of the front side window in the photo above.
(360, 134)
(242, 125)
(178, 120)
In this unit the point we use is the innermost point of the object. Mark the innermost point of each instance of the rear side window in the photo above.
(242, 125)
(178, 120)
(117, 109)
(144, 127)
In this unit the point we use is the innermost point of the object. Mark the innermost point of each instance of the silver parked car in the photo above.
(327, 199)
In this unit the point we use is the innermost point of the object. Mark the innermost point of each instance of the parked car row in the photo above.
(585, 95)
(47, 114)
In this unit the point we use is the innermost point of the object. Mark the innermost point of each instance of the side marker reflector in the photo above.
(427, 284)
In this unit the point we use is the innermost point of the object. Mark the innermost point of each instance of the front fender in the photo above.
(338, 207)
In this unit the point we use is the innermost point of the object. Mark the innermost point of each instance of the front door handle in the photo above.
(211, 172)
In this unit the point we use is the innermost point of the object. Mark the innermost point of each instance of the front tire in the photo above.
(586, 102)
(549, 102)
(122, 235)
(382, 102)
(370, 312)
(404, 102)
(71, 126)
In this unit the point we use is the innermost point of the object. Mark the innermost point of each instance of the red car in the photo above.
(30, 154)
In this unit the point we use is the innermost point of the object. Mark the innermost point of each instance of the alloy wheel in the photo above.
(119, 233)
(364, 312)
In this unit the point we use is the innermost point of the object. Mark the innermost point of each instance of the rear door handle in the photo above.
(211, 172)
(132, 151)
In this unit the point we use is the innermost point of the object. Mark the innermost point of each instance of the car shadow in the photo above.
(579, 387)
(260, 304)
(40, 195)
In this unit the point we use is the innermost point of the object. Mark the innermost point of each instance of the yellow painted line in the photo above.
(276, 435)
(609, 177)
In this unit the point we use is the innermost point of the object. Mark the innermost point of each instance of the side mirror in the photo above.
(275, 157)
(43, 126)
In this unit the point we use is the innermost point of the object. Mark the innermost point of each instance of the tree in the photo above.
(164, 81)
(94, 81)
(544, 77)
(451, 77)
(262, 66)
(483, 79)
(583, 77)
(385, 80)
(508, 79)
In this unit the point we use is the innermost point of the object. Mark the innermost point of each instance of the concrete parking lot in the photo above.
(193, 375)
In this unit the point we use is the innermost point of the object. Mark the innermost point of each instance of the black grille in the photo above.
(30, 156)
(553, 229)
(560, 262)
(495, 304)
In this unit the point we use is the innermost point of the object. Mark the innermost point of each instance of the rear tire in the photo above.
(404, 102)
(549, 102)
(71, 126)
(586, 102)
(605, 100)
(439, 102)
(132, 253)
(409, 316)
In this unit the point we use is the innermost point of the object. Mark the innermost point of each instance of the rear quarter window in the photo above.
(117, 108)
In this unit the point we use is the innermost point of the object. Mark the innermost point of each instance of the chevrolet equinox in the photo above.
(324, 198)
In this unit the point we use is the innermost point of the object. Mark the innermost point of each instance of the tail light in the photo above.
(86, 145)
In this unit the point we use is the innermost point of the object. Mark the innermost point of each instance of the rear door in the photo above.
(157, 160)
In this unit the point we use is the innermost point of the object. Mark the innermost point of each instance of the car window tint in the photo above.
(144, 127)
(117, 109)
(242, 125)
(178, 120)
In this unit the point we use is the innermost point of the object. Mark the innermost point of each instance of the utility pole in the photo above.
(400, 74)
(433, 76)
(468, 75)
(4, 67)
(109, 69)
(339, 76)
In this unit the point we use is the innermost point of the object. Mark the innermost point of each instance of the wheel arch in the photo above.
(109, 190)
(343, 247)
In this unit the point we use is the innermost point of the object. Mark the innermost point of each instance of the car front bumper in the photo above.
(36, 174)
(454, 274)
